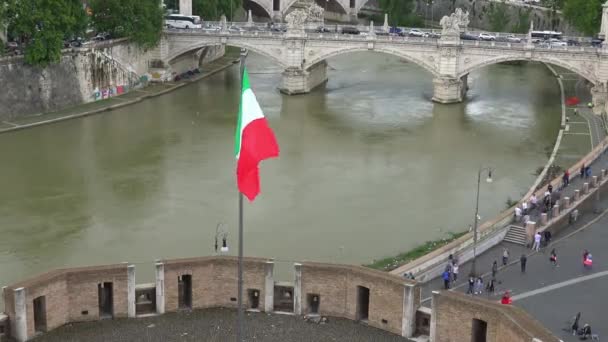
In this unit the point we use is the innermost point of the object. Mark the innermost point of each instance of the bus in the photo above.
(183, 21)
(546, 35)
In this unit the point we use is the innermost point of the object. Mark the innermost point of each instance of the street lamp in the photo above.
(476, 218)
(432, 16)
(221, 232)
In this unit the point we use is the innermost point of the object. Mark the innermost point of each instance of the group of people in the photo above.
(450, 274)
(585, 332)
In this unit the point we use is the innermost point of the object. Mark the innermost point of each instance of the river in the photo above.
(369, 167)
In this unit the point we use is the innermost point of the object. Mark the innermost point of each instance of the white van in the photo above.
(183, 21)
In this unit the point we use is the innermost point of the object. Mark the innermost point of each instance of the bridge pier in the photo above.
(449, 89)
(299, 81)
(599, 98)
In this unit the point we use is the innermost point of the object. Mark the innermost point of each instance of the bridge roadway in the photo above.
(302, 54)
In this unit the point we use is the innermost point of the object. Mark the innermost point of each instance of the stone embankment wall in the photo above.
(379, 299)
(454, 316)
(497, 16)
(73, 295)
(83, 75)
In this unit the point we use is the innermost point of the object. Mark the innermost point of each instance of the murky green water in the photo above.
(369, 167)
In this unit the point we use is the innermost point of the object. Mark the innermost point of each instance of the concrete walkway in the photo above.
(553, 294)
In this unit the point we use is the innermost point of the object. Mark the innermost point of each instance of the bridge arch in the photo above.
(258, 7)
(174, 53)
(418, 60)
(586, 72)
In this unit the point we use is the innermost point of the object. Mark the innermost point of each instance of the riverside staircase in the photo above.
(516, 235)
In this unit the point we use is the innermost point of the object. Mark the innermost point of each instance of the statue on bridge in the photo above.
(451, 25)
(296, 19)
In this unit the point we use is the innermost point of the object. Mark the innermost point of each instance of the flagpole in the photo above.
(240, 316)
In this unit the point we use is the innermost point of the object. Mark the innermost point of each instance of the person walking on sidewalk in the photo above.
(494, 269)
(566, 179)
(446, 280)
(478, 285)
(553, 258)
(533, 202)
(582, 170)
(471, 289)
(505, 256)
(523, 260)
(455, 271)
(536, 245)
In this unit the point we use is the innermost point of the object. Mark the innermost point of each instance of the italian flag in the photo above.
(254, 141)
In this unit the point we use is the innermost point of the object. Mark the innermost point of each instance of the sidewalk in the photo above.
(559, 292)
(127, 99)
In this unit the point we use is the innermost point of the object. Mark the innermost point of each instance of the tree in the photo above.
(400, 12)
(584, 15)
(43, 25)
(498, 17)
(141, 20)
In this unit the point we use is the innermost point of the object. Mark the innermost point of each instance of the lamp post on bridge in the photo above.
(476, 218)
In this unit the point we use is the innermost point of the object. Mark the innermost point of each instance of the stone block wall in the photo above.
(337, 287)
(71, 295)
(214, 281)
(453, 315)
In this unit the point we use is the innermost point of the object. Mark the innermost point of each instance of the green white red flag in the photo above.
(254, 141)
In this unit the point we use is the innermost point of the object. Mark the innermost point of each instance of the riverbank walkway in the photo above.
(552, 294)
(132, 97)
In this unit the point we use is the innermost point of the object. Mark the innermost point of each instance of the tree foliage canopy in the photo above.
(584, 15)
(43, 25)
(142, 20)
(400, 12)
(213, 9)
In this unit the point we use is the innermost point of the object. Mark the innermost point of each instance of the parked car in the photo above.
(467, 36)
(73, 42)
(323, 29)
(597, 42)
(101, 36)
(415, 33)
(486, 37)
(235, 29)
(350, 30)
(512, 39)
(433, 35)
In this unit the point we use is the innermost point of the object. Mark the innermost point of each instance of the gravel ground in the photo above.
(217, 325)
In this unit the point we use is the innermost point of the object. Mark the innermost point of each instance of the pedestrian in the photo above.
(566, 178)
(547, 202)
(582, 170)
(494, 268)
(575, 111)
(505, 256)
(455, 272)
(518, 214)
(523, 260)
(588, 261)
(537, 238)
(587, 172)
(553, 258)
(567, 119)
(479, 285)
(547, 237)
(550, 188)
(471, 289)
(574, 326)
(506, 298)
(585, 253)
(490, 286)
(533, 201)
(446, 280)
(524, 208)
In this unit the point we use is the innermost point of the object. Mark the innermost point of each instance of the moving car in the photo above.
(512, 39)
(350, 30)
(486, 37)
(395, 30)
(467, 36)
(322, 29)
(433, 35)
(416, 33)
(553, 42)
